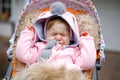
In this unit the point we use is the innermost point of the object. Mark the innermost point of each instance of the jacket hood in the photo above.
(67, 16)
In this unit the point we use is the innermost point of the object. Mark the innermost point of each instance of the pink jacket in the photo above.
(82, 57)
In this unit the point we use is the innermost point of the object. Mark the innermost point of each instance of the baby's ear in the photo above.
(85, 33)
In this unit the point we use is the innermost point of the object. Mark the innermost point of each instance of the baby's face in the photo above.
(59, 32)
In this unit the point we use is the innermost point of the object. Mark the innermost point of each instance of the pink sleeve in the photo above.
(27, 51)
(87, 56)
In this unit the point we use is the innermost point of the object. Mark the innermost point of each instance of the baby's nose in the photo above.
(58, 38)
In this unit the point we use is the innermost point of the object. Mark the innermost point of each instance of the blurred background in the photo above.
(109, 13)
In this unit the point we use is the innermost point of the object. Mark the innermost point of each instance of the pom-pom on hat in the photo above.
(58, 9)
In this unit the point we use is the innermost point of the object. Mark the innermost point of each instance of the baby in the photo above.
(63, 28)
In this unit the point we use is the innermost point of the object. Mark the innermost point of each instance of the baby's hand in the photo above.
(85, 33)
(31, 28)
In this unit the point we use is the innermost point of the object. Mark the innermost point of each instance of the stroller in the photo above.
(35, 7)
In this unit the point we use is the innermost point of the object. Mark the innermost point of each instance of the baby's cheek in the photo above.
(67, 41)
(50, 38)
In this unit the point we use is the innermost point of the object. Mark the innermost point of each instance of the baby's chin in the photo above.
(63, 45)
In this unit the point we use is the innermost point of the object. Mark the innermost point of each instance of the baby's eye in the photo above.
(53, 34)
(63, 35)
